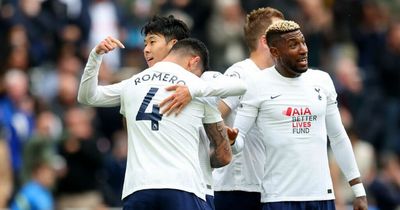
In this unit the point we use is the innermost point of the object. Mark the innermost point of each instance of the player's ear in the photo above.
(194, 65)
(195, 60)
(274, 51)
(172, 42)
(263, 41)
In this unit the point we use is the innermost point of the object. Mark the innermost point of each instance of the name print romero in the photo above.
(160, 76)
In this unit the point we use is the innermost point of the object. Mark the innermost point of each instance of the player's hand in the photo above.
(360, 203)
(177, 101)
(107, 45)
(232, 134)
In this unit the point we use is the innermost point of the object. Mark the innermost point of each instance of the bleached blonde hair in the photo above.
(282, 26)
(274, 31)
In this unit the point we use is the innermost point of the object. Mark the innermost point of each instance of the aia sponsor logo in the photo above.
(294, 111)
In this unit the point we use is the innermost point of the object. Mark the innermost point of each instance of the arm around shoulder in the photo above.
(221, 86)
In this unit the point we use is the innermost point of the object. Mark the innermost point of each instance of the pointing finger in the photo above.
(116, 41)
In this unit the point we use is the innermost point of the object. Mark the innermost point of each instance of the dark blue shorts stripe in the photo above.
(300, 205)
(163, 199)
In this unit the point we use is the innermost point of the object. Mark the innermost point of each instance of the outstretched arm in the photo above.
(220, 149)
(89, 92)
(215, 85)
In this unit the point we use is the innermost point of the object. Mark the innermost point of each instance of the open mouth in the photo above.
(303, 61)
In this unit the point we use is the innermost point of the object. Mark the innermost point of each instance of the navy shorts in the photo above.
(300, 205)
(163, 199)
(237, 200)
(210, 202)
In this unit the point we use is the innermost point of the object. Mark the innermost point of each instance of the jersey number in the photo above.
(154, 116)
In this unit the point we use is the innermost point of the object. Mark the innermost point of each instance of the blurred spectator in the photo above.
(40, 27)
(225, 33)
(18, 56)
(67, 93)
(48, 130)
(114, 170)
(352, 94)
(77, 25)
(388, 67)
(40, 164)
(368, 36)
(288, 7)
(386, 187)
(36, 193)
(46, 80)
(316, 21)
(194, 13)
(79, 186)
(106, 20)
(16, 114)
(348, 78)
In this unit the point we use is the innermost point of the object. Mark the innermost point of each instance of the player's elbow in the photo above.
(82, 100)
(242, 87)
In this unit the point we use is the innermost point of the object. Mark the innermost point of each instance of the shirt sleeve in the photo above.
(211, 113)
(233, 101)
(246, 117)
(90, 93)
(219, 85)
(339, 140)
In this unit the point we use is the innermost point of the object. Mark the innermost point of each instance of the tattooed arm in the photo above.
(220, 148)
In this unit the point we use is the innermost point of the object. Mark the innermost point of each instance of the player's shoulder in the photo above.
(241, 69)
(210, 75)
(317, 75)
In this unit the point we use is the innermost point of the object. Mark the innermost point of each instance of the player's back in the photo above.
(163, 150)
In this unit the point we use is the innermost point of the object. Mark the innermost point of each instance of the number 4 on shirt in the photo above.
(154, 116)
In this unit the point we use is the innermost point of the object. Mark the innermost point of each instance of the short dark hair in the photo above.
(193, 47)
(274, 31)
(169, 27)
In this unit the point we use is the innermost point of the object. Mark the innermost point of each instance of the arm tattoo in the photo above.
(221, 153)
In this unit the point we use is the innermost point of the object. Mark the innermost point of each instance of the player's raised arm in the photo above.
(89, 92)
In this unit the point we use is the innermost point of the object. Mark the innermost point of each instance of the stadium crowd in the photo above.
(80, 152)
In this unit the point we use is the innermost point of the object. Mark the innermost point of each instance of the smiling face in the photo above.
(156, 48)
(291, 53)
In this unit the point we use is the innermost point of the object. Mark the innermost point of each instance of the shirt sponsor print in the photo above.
(302, 119)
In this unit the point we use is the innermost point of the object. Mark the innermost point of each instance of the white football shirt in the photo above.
(163, 150)
(245, 171)
(293, 115)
